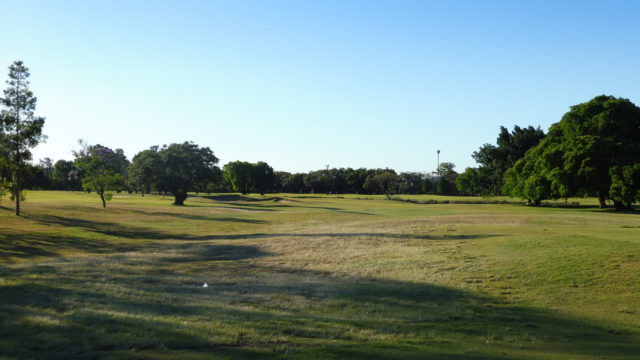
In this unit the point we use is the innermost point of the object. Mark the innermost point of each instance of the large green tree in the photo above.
(20, 128)
(591, 151)
(246, 177)
(184, 167)
(238, 174)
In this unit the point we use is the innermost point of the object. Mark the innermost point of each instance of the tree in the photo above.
(20, 129)
(317, 181)
(4, 187)
(356, 179)
(446, 171)
(46, 165)
(468, 182)
(262, 177)
(184, 167)
(625, 185)
(218, 183)
(410, 183)
(428, 185)
(446, 179)
(99, 168)
(291, 183)
(495, 160)
(145, 170)
(246, 177)
(122, 164)
(238, 173)
(63, 176)
(591, 151)
(383, 182)
(34, 177)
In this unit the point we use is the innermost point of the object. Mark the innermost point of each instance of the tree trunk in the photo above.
(104, 203)
(18, 191)
(179, 196)
(601, 200)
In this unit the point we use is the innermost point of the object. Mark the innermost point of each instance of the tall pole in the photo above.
(438, 166)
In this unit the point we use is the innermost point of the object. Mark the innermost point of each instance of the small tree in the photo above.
(20, 129)
(99, 169)
(625, 185)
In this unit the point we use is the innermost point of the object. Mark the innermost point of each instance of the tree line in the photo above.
(180, 168)
(594, 150)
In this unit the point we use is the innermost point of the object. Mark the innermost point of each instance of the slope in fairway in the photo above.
(315, 277)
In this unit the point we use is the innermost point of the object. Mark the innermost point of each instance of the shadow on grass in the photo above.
(400, 236)
(21, 245)
(277, 206)
(238, 197)
(194, 216)
(134, 232)
(259, 312)
(635, 210)
(126, 231)
(242, 202)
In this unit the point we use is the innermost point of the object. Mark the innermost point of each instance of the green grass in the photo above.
(315, 276)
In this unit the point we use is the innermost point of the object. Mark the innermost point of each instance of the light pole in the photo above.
(438, 166)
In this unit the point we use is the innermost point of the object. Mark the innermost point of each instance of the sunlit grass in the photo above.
(315, 276)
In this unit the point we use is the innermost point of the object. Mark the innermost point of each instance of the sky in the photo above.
(306, 84)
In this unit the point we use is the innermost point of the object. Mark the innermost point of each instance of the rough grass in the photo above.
(315, 277)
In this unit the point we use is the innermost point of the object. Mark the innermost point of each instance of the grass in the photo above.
(293, 276)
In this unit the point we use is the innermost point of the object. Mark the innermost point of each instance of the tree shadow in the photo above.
(274, 204)
(401, 236)
(124, 231)
(19, 245)
(34, 244)
(238, 197)
(258, 311)
(195, 216)
(105, 228)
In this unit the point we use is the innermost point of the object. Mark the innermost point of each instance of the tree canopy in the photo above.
(99, 168)
(246, 177)
(184, 167)
(593, 150)
(145, 170)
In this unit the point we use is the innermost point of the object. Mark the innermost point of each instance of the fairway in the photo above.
(315, 277)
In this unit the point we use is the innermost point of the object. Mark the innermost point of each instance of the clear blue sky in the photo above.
(302, 84)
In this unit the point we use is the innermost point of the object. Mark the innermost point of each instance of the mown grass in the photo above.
(292, 276)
